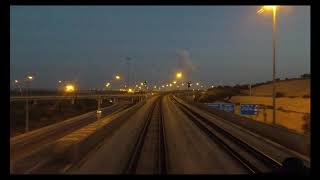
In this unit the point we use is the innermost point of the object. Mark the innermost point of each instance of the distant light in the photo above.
(179, 75)
(130, 90)
(99, 112)
(60, 81)
(174, 82)
(273, 8)
(108, 84)
(117, 77)
(170, 85)
(197, 84)
(30, 77)
(16, 81)
(162, 86)
(141, 84)
(69, 88)
(167, 85)
(155, 87)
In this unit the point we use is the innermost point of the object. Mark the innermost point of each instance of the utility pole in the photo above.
(128, 76)
(28, 81)
(27, 108)
(274, 65)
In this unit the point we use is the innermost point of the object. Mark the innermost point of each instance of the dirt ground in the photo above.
(290, 113)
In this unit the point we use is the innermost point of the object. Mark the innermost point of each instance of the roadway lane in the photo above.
(113, 153)
(189, 150)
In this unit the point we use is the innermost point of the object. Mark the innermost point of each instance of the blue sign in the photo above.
(248, 109)
(214, 105)
(227, 107)
(222, 106)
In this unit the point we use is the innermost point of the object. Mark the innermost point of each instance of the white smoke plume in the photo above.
(184, 61)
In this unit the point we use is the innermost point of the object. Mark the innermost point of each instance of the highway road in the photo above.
(166, 135)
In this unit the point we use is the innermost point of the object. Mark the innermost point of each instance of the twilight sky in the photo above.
(210, 44)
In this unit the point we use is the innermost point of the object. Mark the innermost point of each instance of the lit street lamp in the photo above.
(69, 88)
(179, 75)
(274, 12)
(16, 83)
(29, 78)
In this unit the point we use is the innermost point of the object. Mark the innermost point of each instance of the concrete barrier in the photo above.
(39, 134)
(73, 146)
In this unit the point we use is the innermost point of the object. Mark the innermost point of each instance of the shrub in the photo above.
(280, 94)
(306, 96)
(305, 76)
(306, 125)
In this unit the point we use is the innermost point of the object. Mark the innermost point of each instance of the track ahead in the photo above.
(249, 157)
(149, 153)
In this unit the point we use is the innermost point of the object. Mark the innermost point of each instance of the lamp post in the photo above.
(274, 22)
(128, 75)
(117, 77)
(28, 80)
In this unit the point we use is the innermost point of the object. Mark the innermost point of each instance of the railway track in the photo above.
(252, 159)
(30, 144)
(149, 153)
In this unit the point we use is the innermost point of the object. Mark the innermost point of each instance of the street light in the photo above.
(16, 82)
(117, 77)
(69, 88)
(130, 90)
(179, 75)
(274, 21)
(28, 80)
